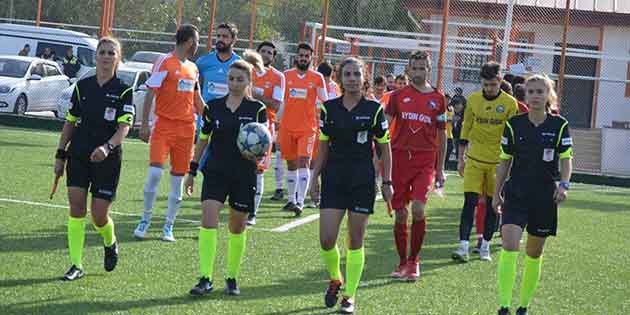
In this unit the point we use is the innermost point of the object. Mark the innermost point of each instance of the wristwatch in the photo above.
(564, 184)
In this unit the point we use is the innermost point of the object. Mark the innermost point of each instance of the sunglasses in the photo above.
(107, 52)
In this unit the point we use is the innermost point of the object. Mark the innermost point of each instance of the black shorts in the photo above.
(101, 178)
(531, 206)
(239, 186)
(348, 186)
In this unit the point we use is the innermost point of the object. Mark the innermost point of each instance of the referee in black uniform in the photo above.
(348, 125)
(100, 117)
(537, 153)
(226, 173)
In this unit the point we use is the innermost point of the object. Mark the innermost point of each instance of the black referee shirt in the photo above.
(350, 133)
(222, 126)
(98, 110)
(536, 150)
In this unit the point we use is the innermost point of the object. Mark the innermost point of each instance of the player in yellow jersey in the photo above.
(484, 119)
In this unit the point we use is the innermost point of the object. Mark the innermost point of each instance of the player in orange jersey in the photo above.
(174, 82)
(298, 125)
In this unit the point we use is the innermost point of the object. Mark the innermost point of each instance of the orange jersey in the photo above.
(300, 100)
(175, 84)
(270, 84)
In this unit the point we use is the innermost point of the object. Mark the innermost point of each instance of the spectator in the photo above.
(25, 51)
(71, 64)
(47, 54)
(519, 94)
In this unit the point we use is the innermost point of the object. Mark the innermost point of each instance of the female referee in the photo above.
(98, 121)
(532, 147)
(226, 173)
(347, 127)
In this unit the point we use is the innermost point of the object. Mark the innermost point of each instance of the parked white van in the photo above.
(14, 36)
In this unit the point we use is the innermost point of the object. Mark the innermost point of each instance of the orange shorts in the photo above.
(174, 139)
(294, 145)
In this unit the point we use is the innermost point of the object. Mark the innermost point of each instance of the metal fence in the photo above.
(582, 44)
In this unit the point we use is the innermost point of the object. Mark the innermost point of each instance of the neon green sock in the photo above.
(332, 260)
(531, 275)
(107, 232)
(355, 259)
(236, 249)
(506, 276)
(76, 238)
(207, 251)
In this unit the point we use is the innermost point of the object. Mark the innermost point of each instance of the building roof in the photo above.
(611, 6)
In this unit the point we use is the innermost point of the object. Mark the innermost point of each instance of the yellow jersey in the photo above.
(449, 124)
(483, 125)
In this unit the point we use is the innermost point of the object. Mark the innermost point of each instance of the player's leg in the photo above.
(158, 152)
(355, 259)
(181, 154)
(420, 187)
(480, 218)
(402, 179)
(278, 169)
(289, 146)
(77, 182)
(260, 188)
(472, 179)
(314, 191)
(305, 151)
(329, 224)
(491, 217)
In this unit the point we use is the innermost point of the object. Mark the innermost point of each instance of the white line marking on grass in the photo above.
(296, 223)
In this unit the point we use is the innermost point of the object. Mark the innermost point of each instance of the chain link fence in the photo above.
(524, 36)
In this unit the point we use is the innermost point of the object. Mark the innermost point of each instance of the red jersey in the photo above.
(522, 107)
(418, 117)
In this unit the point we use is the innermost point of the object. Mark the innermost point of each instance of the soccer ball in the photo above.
(254, 140)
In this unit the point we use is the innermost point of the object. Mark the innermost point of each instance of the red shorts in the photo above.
(172, 139)
(412, 176)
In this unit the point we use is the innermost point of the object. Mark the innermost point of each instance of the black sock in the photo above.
(468, 214)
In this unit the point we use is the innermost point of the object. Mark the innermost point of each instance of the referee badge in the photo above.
(500, 109)
(110, 113)
(548, 155)
(362, 137)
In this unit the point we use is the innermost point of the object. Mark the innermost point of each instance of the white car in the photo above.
(143, 59)
(133, 77)
(30, 84)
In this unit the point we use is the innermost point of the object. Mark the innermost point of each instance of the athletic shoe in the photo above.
(521, 310)
(73, 273)
(346, 306)
(313, 204)
(484, 254)
(251, 220)
(461, 255)
(503, 311)
(231, 288)
(332, 293)
(412, 271)
(141, 231)
(399, 272)
(203, 287)
(289, 206)
(298, 209)
(111, 257)
(277, 195)
(167, 233)
(475, 249)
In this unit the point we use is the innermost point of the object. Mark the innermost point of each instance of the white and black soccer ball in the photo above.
(254, 140)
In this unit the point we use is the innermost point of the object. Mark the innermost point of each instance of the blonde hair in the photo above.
(254, 59)
(552, 97)
(114, 42)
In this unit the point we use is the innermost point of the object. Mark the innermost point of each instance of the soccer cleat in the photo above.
(484, 253)
(346, 306)
(313, 204)
(289, 206)
(231, 288)
(141, 231)
(399, 272)
(332, 293)
(111, 257)
(167, 233)
(475, 249)
(503, 311)
(412, 271)
(461, 255)
(251, 220)
(278, 195)
(298, 209)
(73, 273)
(521, 310)
(203, 287)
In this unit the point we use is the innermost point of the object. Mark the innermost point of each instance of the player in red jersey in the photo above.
(418, 148)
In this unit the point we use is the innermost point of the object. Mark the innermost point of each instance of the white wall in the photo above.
(612, 103)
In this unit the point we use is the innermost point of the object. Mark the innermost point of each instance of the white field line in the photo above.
(280, 229)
